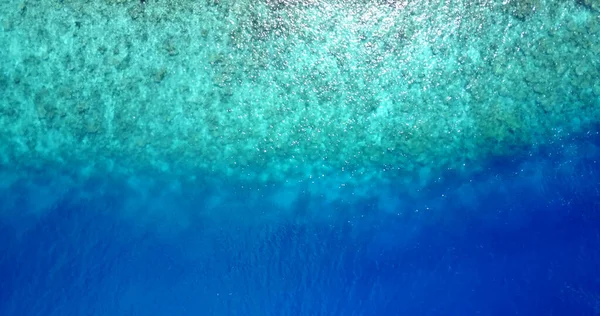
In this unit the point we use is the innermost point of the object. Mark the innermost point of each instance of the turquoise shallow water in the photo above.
(274, 143)
(336, 93)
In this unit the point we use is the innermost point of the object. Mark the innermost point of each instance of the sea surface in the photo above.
(299, 157)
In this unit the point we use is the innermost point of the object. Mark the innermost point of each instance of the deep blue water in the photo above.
(506, 243)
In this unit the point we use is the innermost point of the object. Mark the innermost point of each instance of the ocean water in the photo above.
(299, 157)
